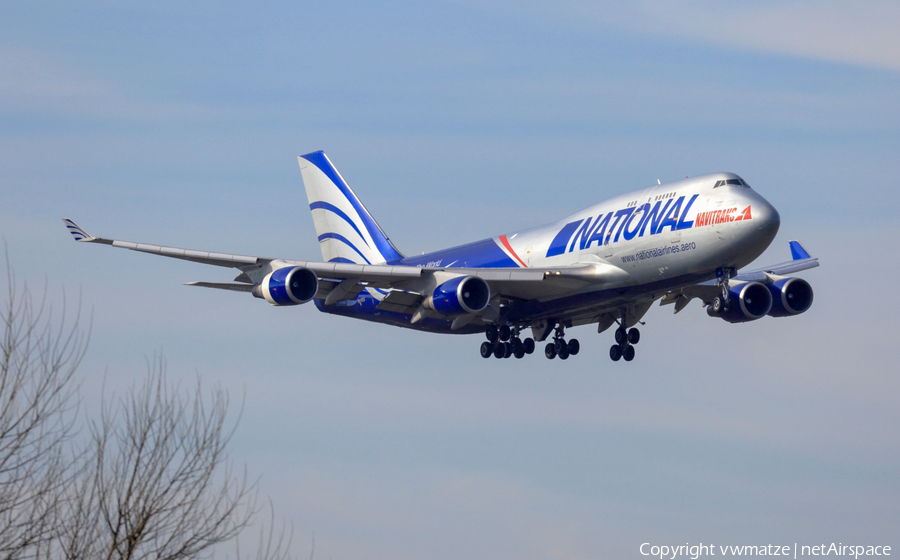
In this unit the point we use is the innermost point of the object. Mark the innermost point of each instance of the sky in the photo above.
(179, 124)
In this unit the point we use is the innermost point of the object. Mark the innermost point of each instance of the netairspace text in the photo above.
(695, 551)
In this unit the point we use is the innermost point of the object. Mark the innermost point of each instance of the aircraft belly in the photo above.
(370, 313)
(604, 300)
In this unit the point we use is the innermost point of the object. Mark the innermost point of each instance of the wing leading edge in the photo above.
(708, 290)
(520, 283)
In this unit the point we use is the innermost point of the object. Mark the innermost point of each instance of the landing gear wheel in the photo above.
(491, 333)
(615, 352)
(517, 345)
(574, 346)
(550, 351)
(487, 348)
(499, 350)
(628, 354)
(563, 351)
(504, 332)
(558, 345)
(621, 336)
(507, 350)
(718, 304)
(519, 354)
(529, 345)
(634, 336)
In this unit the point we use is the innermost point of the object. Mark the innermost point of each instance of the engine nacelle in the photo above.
(790, 296)
(746, 302)
(460, 296)
(291, 285)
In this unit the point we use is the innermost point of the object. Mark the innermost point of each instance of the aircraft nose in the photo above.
(766, 222)
(759, 230)
(768, 219)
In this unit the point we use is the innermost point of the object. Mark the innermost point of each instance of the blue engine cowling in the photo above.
(746, 302)
(291, 285)
(460, 296)
(790, 296)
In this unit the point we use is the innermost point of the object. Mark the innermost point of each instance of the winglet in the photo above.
(797, 251)
(76, 231)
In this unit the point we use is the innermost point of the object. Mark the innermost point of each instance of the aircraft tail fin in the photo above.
(347, 232)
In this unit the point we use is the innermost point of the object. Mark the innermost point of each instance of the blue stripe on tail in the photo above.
(344, 240)
(382, 243)
(340, 213)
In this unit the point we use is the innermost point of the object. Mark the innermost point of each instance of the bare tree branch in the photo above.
(273, 545)
(152, 478)
(158, 483)
(38, 360)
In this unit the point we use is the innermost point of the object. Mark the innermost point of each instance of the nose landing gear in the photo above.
(722, 303)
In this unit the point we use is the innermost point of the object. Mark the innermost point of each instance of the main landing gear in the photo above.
(504, 342)
(625, 341)
(559, 346)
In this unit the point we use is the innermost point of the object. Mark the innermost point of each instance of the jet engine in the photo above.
(290, 285)
(790, 296)
(746, 302)
(460, 296)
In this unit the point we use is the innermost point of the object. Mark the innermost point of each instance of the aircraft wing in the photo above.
(365, 273)
(542, 284)
(522, 283)
(801, 261)
(408, 286)
(205, 257)
(706, 291)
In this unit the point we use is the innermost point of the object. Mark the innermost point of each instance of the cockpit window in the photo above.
(735, 182)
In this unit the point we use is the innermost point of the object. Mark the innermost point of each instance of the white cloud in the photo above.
(52, 84)
(30, 78)
(26, 72)
(862, 33)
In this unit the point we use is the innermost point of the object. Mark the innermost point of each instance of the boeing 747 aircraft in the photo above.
(603, 266)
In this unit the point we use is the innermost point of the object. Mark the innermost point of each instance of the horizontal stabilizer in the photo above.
(222, 286)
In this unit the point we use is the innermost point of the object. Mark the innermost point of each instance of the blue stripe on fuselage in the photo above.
(558, 245)
(481, 254)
